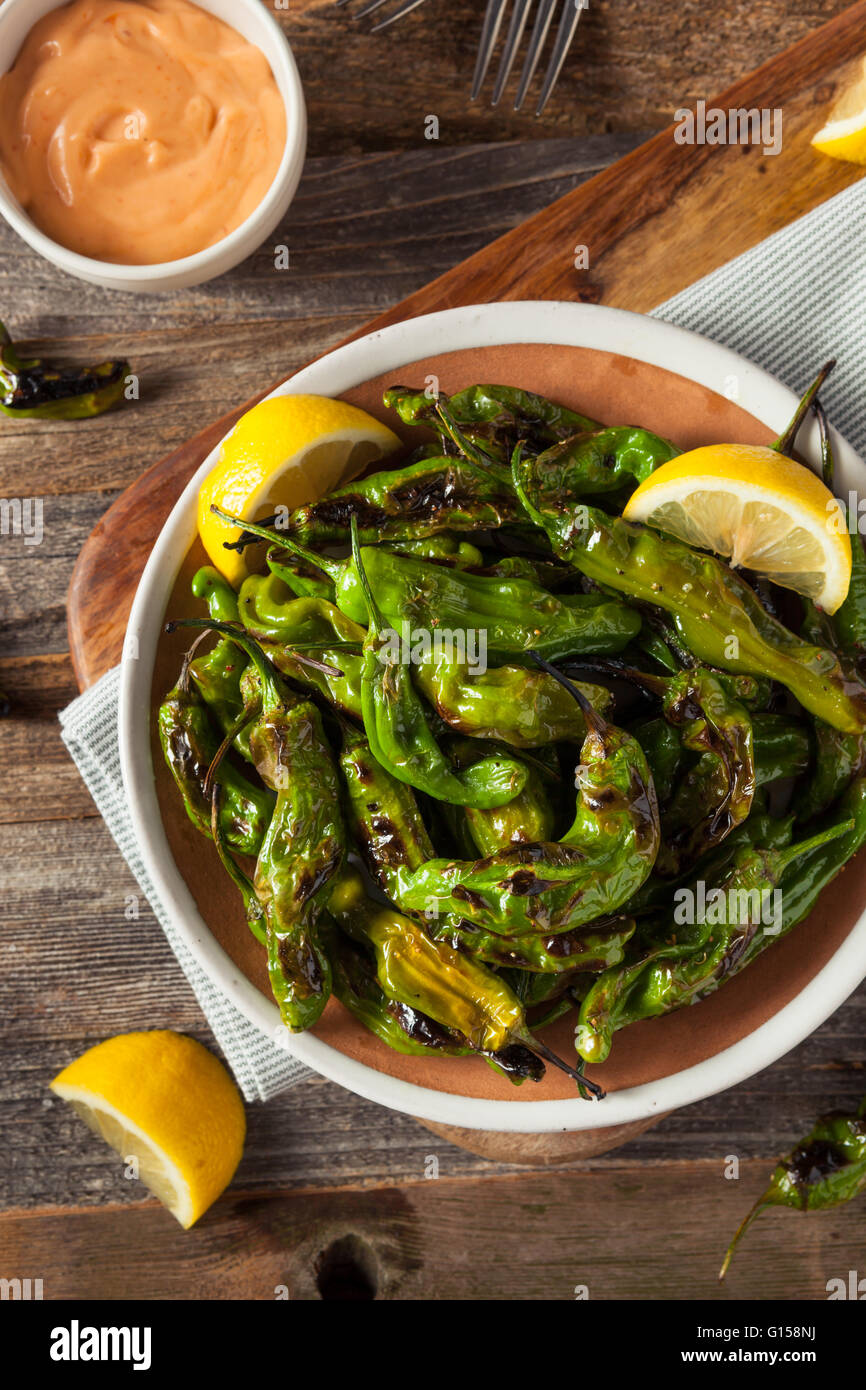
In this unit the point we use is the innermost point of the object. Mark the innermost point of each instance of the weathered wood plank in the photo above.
(559, 1236)
(631, 65)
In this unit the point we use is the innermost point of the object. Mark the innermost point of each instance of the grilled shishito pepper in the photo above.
(219, 672)
(714, 796)
(383, 813)
(189, 744)
(529, 817)
(398, 1023)
(513, 614)
(404, 504)
(716, 614)
(514, 704)
(825, 1169)
(838, 759)
(433, 978)
(32, 389)
(305, 841)
(399, 733)
(492, 417)
(284, 626)
(681, 963)
(615, 459)
(549, 888)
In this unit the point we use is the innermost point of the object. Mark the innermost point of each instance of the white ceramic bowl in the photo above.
(251, 19)
(632, 335)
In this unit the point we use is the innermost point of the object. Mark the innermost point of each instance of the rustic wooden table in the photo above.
(335, 1197)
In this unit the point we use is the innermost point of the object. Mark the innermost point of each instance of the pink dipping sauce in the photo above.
(139, 131)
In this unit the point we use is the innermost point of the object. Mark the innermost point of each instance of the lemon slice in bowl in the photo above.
(844, 135)
(163, 1099)
(282, 453)
(759, 509)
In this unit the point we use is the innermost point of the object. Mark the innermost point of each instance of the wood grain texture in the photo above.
(652, 223)
(364, 233)
(557, 1236)
(633, 62)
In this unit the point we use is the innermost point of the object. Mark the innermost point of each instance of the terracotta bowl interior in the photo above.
(618, 390)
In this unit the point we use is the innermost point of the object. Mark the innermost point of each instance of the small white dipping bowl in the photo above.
(254, 23)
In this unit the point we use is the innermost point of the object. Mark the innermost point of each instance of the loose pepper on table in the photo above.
(824, 1170)
(716, 614)
(552, 887)
(33, 389)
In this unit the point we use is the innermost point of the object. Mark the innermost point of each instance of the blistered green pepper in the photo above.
(549, 888)
(825, 1169)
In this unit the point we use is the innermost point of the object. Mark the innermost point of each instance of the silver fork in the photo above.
(495, 13)
(405, 8)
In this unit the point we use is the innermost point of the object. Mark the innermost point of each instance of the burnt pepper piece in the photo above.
(33, 389)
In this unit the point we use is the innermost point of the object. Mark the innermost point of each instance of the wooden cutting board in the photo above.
(651, 224)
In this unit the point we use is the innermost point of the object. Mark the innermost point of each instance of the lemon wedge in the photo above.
(164, 1100)
(844, 135)
(759, 509)
(282, 453)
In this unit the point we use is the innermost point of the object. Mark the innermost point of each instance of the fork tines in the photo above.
(571, 11)
(405, 8)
